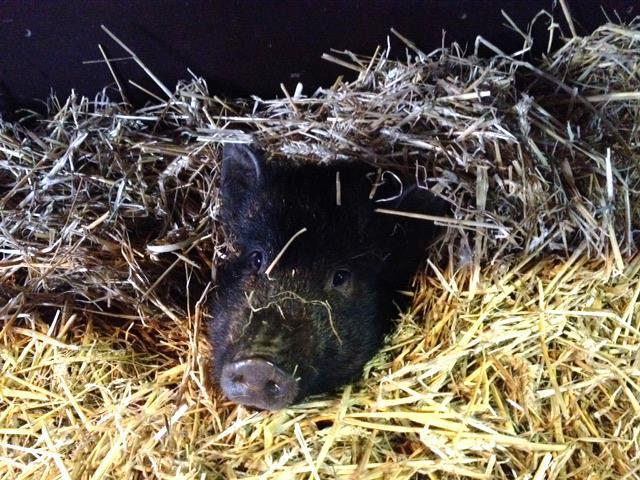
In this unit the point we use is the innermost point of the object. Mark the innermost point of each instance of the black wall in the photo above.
(241, 47)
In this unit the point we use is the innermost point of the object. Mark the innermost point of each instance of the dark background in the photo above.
(242, 47)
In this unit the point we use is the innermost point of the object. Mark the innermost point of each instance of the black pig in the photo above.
(309, 322)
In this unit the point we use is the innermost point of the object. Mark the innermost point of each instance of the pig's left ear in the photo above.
(415, 231)
(408, 238)
(412, 198)
(242, 175)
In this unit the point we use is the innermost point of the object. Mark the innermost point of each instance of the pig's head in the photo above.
(306, 302)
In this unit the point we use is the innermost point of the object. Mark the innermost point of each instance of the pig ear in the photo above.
(408, 238)
(412, 198)
(242, 173)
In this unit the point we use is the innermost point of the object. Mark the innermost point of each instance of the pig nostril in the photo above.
(272, 388)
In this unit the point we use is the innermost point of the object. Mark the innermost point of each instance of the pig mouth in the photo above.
(259, 383)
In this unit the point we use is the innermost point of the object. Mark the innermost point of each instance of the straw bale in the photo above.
(519, 356)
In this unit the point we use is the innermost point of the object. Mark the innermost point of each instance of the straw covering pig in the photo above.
(308, 299)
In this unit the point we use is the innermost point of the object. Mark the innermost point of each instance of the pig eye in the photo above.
(256, 260)
(341, 278)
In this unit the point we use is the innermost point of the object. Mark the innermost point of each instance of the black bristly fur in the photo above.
(322, 331)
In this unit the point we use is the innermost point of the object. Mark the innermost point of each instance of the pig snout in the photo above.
(258, 383)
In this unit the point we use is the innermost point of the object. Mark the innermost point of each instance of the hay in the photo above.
(520, 355)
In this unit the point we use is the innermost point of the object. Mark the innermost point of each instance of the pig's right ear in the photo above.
(242, 175)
